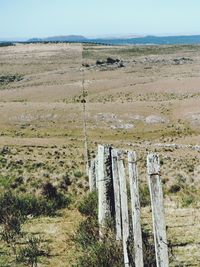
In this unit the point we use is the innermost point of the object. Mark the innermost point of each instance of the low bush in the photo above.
(31, 253)
(31, 205)
(185, 194)
(6, 79)
(106, 251)
(89, 204)
(144, 195)
(4, 44)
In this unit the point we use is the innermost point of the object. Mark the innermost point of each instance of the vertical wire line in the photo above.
(84, 94)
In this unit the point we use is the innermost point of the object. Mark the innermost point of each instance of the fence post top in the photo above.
(104, 146)
(132, 158)
(153, 164)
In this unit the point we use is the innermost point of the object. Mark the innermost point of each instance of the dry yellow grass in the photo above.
(153, 98)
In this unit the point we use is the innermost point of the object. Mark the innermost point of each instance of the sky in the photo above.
(91, 18)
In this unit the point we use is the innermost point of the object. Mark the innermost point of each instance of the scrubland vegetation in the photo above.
(48, 217)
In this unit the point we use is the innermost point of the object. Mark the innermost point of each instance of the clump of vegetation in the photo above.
(6, 79)
(31, 253)
(148, 248)
(88, 206)
(185, 194)
(11, 220)
(78, 174)
(144, 195)
(94, 251)
(25, 205)
(106, 251)
(4, 44)
(65, 182)
(15, 210)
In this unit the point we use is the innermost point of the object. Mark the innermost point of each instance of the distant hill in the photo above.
(62, 38)
(35, 40)
(117, 40)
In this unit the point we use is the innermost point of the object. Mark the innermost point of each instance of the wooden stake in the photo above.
(115, 174)
(124, 206)
(155, 187)
(92, 175)
(104, 186)
(135, 205)
(96, 172)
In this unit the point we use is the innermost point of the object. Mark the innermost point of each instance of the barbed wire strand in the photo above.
(84, 94)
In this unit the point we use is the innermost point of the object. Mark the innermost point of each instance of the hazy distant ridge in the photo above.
(62, 38)
(123, 40)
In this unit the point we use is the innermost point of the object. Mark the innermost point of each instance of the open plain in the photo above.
(143, 98)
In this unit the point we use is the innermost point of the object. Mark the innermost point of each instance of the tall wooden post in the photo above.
(159, 227)
(124, 206)
(115, 174)
(92, 176)
(96, 171)
(105, 193)
(135, 205)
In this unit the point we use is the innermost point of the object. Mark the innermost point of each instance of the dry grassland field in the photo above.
(142, 98)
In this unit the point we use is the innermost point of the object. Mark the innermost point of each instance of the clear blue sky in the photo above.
(40, 18)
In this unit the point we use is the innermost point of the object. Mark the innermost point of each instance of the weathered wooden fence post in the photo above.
(124, 206)
(96, 171)
(115, 174)
(155, 187)
(92, 175)
(105, 189)
(135, 205)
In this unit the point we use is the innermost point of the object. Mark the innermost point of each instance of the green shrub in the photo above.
(87, 233)
(32, 252)
(11, 220)
(65, 182)
(148, 248)
(78, 174)
(104, 253)
(187, 199)
(49, 191)
(95, 252)
(31, 205)
(89, 205)
(175, 188)
(3, 44)
(144, 195)
(186, 194)
(6, 79)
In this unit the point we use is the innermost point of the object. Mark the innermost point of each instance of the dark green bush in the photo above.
(104, 253)
(89, 205)
(32, 252)
(49, 191)
(6, 79)
(3, 44)
(175, 188)
(87, 233)
(95, 252)
(148, 248)
(144, 195)
(78, 174)
(31, 205)
(186, 194)
(65, 182)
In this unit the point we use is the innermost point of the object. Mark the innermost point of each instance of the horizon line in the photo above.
(102, 36)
